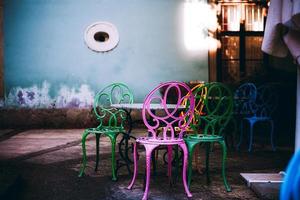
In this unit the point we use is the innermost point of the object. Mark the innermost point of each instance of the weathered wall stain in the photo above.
(32, 97)
(70, 97)
(39, 97)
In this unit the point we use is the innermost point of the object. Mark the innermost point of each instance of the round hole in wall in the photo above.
(101, 36)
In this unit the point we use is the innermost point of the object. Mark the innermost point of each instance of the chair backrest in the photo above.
(114, 93)
(266, 101)
(199, 93)
(244, 99)
(217, 108)
(170, 117)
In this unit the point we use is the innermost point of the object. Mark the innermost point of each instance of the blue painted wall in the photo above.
(44, 49)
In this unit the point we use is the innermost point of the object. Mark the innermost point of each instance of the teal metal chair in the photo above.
(209, 125)
(111, 121)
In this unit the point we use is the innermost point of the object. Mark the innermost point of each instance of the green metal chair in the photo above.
(211, 122)
(111, 121)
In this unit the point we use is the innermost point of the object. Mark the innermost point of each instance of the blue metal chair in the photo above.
(258, 106)
(244, 98)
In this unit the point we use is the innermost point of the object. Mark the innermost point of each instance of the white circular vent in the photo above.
(101, 36)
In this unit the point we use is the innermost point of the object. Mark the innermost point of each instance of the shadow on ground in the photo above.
(44, 164)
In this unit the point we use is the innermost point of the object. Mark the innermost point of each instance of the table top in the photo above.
(140, 106)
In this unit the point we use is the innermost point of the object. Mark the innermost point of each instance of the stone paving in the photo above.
(44, 164)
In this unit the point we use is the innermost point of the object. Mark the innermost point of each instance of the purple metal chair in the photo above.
(167, 122)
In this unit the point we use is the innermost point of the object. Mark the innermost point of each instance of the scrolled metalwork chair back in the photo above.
(115, 93)
(169, 118)
(217, 108)
(244, 99)
(266, 101)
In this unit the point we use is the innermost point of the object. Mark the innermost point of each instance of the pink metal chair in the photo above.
(167, 121)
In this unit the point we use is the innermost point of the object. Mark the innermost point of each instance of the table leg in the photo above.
(125, 160)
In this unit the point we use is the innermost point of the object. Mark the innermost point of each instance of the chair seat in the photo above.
(258, 118)
(159, 140)
(106, 129)
(202, 137)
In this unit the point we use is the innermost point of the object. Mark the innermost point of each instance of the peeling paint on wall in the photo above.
(32, 97)
(38, 97)
(70, 97)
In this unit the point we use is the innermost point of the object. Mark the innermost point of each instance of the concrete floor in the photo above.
(44, 164)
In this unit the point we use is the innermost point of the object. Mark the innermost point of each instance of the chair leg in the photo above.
(153, 163)
(170, 149)
(124, 157)
(207, 163)
(272, 135)
(83, 166)
(233, 133)
(113, 139)
(228, 189)
(251, 135)
(149, 150)
(156, 154)
(176, 156)
(185, 160)
(241, 136)
(191, 147)
(97, 150)
(197, 161)
(135, 166)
